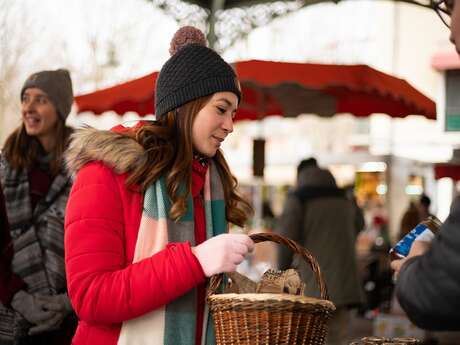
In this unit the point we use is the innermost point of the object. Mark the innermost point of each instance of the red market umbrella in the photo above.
(135, 95)
(287, 89)
(447, 170)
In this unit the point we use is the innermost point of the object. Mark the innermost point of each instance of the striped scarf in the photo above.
(175, 323)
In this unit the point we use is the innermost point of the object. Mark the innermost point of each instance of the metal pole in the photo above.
(216, 6)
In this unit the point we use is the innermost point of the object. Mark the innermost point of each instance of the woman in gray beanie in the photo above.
(148, 215)
(36, 188)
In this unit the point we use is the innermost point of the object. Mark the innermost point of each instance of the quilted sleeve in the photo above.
(102, 285)
(428, 286)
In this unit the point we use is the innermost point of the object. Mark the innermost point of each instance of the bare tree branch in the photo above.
(15, 42)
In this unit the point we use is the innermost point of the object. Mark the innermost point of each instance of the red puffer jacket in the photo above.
(102, 222)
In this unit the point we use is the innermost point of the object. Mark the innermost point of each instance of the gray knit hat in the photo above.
(57, 85)
(193, 71)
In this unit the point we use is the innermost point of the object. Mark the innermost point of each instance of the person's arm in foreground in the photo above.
(428, 280)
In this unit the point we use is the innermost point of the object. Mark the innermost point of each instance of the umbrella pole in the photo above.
(217, 5)
(258, 202)
(258, 162)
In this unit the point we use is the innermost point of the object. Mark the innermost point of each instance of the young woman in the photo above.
(147, 216)
(36, 187)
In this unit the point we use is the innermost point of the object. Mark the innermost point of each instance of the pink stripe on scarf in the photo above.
(152, 237)
(207, 186)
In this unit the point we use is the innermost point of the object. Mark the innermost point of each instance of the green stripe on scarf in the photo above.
(219, 223)
(152, 208)
(180, 317)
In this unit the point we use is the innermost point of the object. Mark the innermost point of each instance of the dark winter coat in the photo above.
(428, 286)
(37, 236)
(319, 216)
(10, 283)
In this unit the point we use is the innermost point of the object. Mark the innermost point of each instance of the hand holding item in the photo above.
(417, 248)
(60, 306)
(223, 253)
(31, 307)
(48, 325)
(57, 303)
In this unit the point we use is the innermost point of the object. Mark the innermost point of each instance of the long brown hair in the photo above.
(22, 150)
(168, 144)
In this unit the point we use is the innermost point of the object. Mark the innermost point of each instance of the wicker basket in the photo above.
(243, 319)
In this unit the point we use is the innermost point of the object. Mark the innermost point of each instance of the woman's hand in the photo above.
(223, 253)
(60, 306)
(31, 307)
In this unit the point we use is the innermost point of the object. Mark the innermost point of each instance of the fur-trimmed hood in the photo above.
(116, 150)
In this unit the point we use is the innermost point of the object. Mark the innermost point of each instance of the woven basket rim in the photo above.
(267, 297)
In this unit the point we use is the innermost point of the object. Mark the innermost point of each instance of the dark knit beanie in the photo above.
(192, 71)
(57, 85)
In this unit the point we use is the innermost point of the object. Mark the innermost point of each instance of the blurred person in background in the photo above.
(319, 216)
(360, 222)
(149, 211)
(428, 279)
(310, 162)
(268, 217)
(423, 207)
(409, 220)
(36, 187)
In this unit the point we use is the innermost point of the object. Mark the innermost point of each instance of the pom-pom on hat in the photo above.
(193, 71)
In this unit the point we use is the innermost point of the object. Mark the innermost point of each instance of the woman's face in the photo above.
(39, 116)
(214, 122)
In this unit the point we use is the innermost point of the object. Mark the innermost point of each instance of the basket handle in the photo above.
(216, 279)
